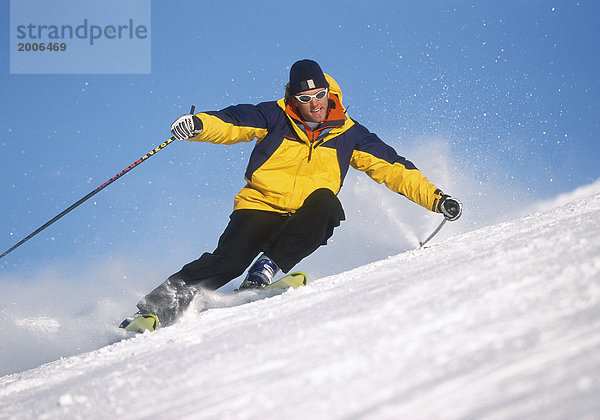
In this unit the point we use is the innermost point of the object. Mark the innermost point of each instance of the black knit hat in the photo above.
(306, 75)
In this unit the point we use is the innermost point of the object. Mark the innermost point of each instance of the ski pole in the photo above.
(437, 229)
(94, 192)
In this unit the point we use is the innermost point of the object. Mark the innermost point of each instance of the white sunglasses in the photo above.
(307, 98)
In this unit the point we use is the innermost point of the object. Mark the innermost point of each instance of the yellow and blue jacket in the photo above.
(290, 160)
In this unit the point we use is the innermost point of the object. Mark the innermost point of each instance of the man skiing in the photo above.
(289, 205)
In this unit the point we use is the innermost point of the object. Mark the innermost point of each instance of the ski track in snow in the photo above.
(502, 322)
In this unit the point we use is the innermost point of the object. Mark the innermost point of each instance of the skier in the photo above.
(289, 205)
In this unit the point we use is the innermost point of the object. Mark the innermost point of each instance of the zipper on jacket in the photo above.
(314, 145)
(310, 146)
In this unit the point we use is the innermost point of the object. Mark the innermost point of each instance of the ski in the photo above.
(290, 281)
(140, 323)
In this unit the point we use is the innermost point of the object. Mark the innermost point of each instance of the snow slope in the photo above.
(502, 322)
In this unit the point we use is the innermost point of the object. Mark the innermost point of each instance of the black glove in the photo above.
(186, 127)
(450, 207)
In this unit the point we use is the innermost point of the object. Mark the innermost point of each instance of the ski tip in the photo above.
(301, 274)
(292, 280)
(140, 324)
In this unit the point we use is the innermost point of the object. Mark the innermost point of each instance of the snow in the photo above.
(501, 322)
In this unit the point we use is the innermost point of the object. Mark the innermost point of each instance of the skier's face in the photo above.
(316, 109)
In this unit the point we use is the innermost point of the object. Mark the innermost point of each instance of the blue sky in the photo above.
(504, 94)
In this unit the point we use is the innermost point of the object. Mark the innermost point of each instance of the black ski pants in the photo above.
(286, 239)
